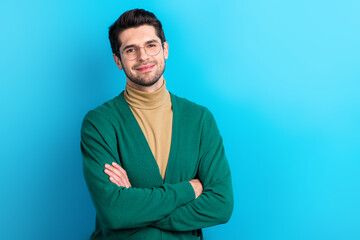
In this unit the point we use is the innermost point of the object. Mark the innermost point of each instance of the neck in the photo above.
(151, 88)
(146, 100)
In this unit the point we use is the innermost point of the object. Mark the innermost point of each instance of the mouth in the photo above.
(145, 68)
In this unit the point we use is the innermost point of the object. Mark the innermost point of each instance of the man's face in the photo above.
(144, 71)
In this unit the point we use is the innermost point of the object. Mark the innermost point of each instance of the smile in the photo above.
(145, 68)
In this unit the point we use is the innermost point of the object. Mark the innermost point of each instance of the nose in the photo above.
(142, 55)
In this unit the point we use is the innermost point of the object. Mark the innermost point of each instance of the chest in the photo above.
(138, 161)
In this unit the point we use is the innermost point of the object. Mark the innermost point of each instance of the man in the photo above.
(154, 163)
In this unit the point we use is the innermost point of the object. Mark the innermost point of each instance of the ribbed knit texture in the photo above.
(153, 113)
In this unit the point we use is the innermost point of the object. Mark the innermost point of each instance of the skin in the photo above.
(152, 79)
(148, 80)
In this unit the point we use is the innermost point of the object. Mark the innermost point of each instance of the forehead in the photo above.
(137, 35)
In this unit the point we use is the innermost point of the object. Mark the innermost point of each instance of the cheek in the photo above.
(160, 62)
(127, 67)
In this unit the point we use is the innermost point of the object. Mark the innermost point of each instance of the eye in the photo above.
(130, 50)
(151, 45)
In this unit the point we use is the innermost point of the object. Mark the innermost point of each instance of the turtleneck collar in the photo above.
(146, 100)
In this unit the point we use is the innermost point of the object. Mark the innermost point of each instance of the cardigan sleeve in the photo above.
(215, 205)
(120, 208)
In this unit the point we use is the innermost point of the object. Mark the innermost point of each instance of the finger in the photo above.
(113, 178)
(117, 172)
(118, 182)
(119, 178)
(120, 172)
(118, 167)
(113, 169)
(116, 179)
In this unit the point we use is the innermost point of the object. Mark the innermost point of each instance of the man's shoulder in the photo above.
(191, 108)
(106, 111)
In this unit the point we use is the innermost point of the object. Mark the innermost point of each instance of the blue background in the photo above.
(281, 77)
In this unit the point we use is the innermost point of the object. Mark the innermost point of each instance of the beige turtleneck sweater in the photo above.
(153, 112)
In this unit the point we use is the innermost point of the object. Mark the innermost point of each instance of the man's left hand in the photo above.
(117, 175)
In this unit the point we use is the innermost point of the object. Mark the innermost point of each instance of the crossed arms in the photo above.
(118, 176)
(182, 206)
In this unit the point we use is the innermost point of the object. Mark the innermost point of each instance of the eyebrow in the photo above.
(133, 45)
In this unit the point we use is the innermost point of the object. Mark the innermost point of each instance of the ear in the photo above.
(166, 50)
(117, 61)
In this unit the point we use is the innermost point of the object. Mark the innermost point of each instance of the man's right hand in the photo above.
(197, 186)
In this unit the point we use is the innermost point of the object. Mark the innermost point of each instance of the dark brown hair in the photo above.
(133, 18)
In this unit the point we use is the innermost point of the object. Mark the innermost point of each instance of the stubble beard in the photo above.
(146, 81)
